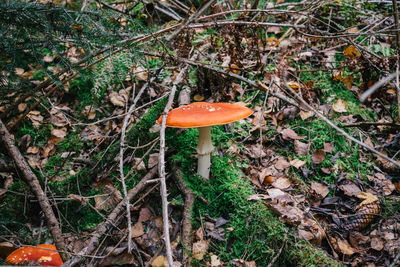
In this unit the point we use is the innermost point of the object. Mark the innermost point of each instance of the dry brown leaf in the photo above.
(117, 100)
(145, 215)
(215, 262)
(318, 190)
(297, 163)
(305, 114)
(199, 249)
(139, 163)
(348, 81)
(350, 189)
(32, 150)
(137, 229)
(281, 164)
(289, 134)
(153, 160)
(384, 184)
(318, 156)
(35, 118)
(300, 148)
(256, 151)
(344, 247)
(160, 261)
(59, 133)
(141, 73)
(282, 183)
(340, 106)
(328, 147)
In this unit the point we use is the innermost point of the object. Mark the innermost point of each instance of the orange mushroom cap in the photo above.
(202, 114)
(44, 254)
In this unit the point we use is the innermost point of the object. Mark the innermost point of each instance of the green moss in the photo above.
(256, 232)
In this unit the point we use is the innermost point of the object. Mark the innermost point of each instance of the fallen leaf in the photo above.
(344, 247)
(300, 148)
(340, 106)
(153, 160)
(282, 183)
(318, 190)
(60, 133)
(328, 147)
(351, 51)
(145, 215)
(350, 189)
(137, 229)
(318, 156)
(215, 262)
(117, 100)
(305, 114)
(141, 74)
(160, 261)
(139, 163)
(297, 163)
(289, 134)
(199, 249)
(348, 81)
(281, 164)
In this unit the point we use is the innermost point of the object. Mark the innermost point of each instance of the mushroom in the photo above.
(203, 115)
(44, 254)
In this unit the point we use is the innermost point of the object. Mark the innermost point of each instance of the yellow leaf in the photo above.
(348, 81)
(351, 51)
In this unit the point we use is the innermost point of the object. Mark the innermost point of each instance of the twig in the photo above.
(161, 166)
(34, 185)
(193, 17)
(102, 228)
(121, 162)
(279, 252)
(371, 123)
(187, 214)
(377, 85)
(396, 24)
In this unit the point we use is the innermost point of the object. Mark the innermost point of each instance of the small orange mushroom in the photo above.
(44, 254)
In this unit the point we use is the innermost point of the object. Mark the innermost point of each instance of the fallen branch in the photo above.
(102, 228)
(34, 185)
(187, 214)
(161, 166)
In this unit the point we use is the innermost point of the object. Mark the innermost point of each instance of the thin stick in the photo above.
(161, 166)
(187, 214)
(34, 185)
(121, 163)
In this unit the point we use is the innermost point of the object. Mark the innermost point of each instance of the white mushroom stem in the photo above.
(204, 150)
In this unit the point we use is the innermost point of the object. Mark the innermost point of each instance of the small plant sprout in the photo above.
(203, 115)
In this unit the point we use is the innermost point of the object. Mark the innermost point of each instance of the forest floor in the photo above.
(311, 178)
